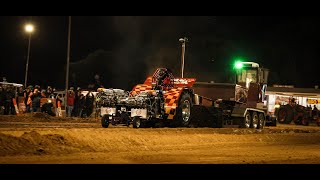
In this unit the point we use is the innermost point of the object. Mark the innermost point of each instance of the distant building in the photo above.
(281, 95)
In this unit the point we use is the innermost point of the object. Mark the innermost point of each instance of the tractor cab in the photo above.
(250, 72)
(251, 81)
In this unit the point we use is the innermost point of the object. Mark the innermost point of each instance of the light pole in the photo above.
(183, 49)
(68, 59)
(29, 29)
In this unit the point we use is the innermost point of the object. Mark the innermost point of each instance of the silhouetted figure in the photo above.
(315, 111)
(77, 106)
(36, 100)
(88, 104)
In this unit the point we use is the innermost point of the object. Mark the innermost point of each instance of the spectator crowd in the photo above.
(30, 99)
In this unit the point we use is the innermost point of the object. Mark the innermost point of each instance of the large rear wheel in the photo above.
(285, 114)
(183, 114)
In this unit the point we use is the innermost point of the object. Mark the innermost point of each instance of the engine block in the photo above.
(111, 97)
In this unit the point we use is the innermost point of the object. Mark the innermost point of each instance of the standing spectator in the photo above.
(77, 102)
(13, 95)
(315, 111)
(58, 105)
(37, 87)
(309, 110)
(70, 101)
(20, 92)
(81, 103)
(88, 104)
(20, 95)
(36, 100)
(8, 102)
(51, 94)
(27, 98)
(48, 92)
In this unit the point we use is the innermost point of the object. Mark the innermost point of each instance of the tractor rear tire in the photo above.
(285, 114)
(183, 114)
(105, 121)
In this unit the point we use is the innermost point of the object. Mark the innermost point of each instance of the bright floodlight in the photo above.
(29, 28)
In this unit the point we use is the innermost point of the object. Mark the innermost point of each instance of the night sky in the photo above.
(123, 50)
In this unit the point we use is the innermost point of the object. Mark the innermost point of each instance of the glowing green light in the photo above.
(238, 65)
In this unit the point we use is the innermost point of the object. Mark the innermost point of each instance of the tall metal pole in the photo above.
(182, 58)
(183, 49)
(68, 59)
(27, 65)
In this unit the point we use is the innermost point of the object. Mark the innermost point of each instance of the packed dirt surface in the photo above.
(38, 138)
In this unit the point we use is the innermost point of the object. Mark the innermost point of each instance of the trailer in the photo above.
(243, 102)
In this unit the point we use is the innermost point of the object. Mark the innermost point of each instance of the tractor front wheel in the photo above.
(285, 114)
(136, 122)
(105, 121)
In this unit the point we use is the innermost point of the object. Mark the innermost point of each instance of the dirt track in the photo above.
(50, 140)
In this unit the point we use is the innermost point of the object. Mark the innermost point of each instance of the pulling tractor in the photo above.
(162, 100)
